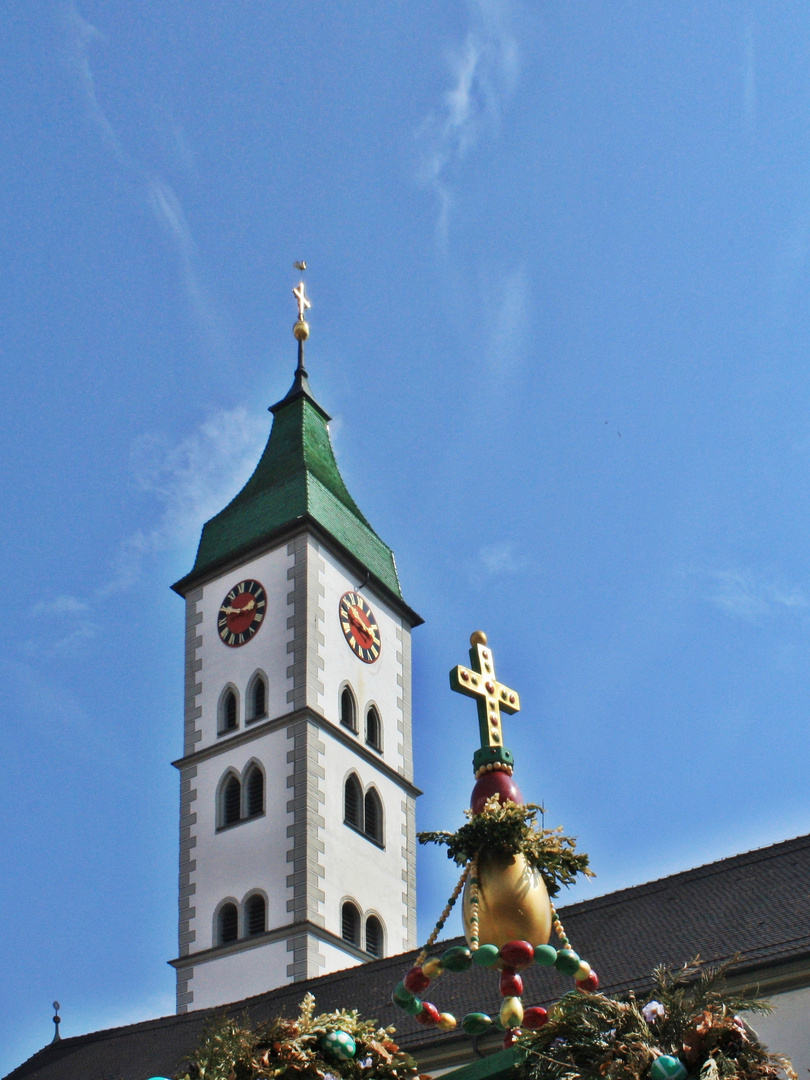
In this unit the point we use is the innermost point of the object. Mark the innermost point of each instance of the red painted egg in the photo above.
(589, 985)
(429, 1015)
(517, 954)
(494, 783)
(534, 1017)
(416, 981)
(511, 983)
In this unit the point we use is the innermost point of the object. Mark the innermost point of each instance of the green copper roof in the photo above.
(297, 479)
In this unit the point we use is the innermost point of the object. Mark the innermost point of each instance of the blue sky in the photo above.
(559, 271)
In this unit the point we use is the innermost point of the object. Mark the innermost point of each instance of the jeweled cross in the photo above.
(492, 698)
(303, 303)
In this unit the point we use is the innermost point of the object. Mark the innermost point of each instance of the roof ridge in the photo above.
(702, 870)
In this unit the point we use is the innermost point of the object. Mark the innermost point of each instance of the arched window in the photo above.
(258, 698)
(353, 803)
(348, 710)
(231, 801)
(254, 784)
(373, 824)
(374, 936)
(350, 923)
(228, 712)
(227, 924)
(373, 729)
(255, 915)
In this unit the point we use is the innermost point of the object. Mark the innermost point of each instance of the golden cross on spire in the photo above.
(478, 681)
(303, 303)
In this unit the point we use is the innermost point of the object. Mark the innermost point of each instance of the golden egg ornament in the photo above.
(513, 903)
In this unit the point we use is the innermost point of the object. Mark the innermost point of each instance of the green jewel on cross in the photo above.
(491, 697)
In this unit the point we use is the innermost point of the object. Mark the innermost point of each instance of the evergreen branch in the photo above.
(508, 829)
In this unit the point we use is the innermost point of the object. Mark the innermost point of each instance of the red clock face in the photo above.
(360, 627)
(241, 613)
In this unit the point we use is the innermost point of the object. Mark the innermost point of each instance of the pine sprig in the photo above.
(236, 1049)
(692, 1017)
(508, 829)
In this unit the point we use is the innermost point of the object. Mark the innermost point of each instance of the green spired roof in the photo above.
(296, 481)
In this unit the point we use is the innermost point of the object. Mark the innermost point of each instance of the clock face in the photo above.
(360, 627)
(241, 613)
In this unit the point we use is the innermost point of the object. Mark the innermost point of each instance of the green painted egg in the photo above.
(545, 954)
(567, 962)
(667, 1068)
(486, 955)
(476, 1023)
(458, 958)
(339, 1044)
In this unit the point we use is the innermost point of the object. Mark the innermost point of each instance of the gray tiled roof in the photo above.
(756, 904)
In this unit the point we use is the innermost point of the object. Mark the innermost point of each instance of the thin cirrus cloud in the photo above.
(751, 597)
(484, 69)
(161, 198)
(195, 478)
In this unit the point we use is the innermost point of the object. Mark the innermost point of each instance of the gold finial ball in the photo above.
(301, 330)
(478, 637)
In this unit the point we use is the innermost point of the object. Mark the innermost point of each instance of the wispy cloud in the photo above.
(70, 623)
(161, 198)
(499, 559)
(505, 307)
(188, 482)
(752, 597)
(80, 36)
(484, 70)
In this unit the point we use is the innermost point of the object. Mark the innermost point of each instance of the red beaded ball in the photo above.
(511, 983)
(416, 981)
(429, 1014)
(589, 985)
(517, 954)
(535, 1017)
(492, 783)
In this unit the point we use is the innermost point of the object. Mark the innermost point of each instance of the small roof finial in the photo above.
(301, 327)
(57, 1020)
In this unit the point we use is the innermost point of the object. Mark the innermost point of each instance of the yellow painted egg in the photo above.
(513, 903)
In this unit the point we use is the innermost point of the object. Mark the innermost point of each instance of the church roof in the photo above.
(297, 481)
(756, 904)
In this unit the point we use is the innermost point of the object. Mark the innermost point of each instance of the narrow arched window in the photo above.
(348, 712)
(227, 711)
(255, 915)
(374, 936)
(353, 803)
(258, 704)
(373, 729)
(227, 924)
(231, 801)
(350, 923)
(255, 792)
(373, 825)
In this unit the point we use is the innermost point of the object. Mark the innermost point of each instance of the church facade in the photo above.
(297, 803)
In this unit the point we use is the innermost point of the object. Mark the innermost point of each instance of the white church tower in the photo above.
(297, 845)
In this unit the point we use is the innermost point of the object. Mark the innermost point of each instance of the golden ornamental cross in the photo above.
(301, 297)
(478, 681)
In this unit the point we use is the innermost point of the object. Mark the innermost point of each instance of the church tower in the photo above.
(297, 845)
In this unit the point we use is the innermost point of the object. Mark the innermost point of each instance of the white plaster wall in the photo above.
(250, 855)
(787, 1030)
(266, 650)
(336, 959)
(355, 867)
(371, 683)
(240, 974)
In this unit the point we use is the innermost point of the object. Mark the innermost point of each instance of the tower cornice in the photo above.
(260, 728)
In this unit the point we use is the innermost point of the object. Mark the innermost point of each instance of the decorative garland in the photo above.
(511, 959)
